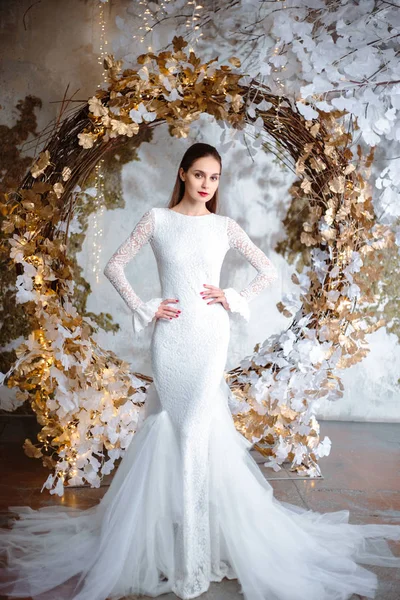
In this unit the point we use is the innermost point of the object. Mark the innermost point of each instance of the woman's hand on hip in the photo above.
(216, 295)
(167, 312)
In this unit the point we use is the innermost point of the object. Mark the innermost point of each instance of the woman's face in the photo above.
(202, 176)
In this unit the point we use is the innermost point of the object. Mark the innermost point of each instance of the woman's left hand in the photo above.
(216, 294)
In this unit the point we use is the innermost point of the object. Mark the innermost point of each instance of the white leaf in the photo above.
(307, 111)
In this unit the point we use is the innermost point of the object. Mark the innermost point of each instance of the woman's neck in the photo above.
(194, 209)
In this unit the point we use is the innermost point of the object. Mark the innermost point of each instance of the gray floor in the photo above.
(361, 474)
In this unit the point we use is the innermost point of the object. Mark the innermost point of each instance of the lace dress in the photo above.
(188, 504)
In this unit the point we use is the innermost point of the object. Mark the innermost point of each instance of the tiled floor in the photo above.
(362, 474)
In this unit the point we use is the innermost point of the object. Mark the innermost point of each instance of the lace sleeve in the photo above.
(143, 312)
(267, 273)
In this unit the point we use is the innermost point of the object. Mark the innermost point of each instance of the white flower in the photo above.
(144, 73)
(352, 291)
(288, 338)
(107, 467)
(283, 449)
(298, 454)
(59, 489)
(174, 95)
(142, 114)
(272, 462)
(307, 111)
(323, 448)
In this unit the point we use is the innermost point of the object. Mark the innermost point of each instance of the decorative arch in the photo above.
(85, 398)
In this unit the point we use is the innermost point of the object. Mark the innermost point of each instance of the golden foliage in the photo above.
(332, 213)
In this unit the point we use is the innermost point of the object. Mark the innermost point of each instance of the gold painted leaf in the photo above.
(41, 164)
(329, 216)
(58, 188)
(337, 184)
(329, 150)
(307, 239)
(49, 462)
(179, 43)
(28, 205)
(329, 234)
(66, 173)
(300, 166)
(282, 309)
(306, 185)
(8, 227)
(31, 450)
(349, 169)
(235, 61)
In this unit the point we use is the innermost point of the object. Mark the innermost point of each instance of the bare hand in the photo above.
(167, 312)
(216, 293)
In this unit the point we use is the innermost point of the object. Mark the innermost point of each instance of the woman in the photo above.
(188, 504)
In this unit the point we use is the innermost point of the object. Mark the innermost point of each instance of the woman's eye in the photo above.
(200, 175)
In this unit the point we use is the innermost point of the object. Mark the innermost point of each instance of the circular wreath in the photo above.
(86, 399)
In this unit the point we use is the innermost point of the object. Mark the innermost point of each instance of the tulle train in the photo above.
(127, 543)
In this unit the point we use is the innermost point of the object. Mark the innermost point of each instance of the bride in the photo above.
(188, 504)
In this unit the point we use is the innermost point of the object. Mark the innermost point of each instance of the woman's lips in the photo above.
(203, 193)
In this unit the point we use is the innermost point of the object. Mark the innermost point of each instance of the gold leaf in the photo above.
(329, 216)
(8, 227)
(41, 164)
(282, 309)
(337, 184)
(28, 205)
(314, 129)
(300, 166)
(317, 164)
(306, 185)
(48, 462)
(235, 61)
(307, 239)
(329, 150)
(328, 234)
(179, 43)
(349, 169)
(96, 107)
(66, 173)
(31, 450)
(58, 188)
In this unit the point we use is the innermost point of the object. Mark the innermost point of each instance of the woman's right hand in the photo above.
(167, 312)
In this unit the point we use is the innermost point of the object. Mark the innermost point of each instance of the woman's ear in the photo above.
(182, 174)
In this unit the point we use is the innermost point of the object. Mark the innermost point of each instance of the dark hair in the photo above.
(195, 151)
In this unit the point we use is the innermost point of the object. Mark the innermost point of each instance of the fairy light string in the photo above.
(103, 45)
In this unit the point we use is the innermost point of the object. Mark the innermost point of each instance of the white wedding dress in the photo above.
(188, 504)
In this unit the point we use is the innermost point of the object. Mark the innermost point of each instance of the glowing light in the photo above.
(146, 16)
(98, 205)
(103, 41)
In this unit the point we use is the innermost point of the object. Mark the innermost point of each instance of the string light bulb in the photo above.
(98, 204)
(103, 47)
(145, 15)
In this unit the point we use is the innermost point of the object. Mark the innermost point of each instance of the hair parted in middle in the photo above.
(195, 151)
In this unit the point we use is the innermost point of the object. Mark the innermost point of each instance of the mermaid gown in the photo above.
(188, 504)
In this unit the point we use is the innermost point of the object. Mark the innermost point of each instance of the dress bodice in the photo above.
(189, 251)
